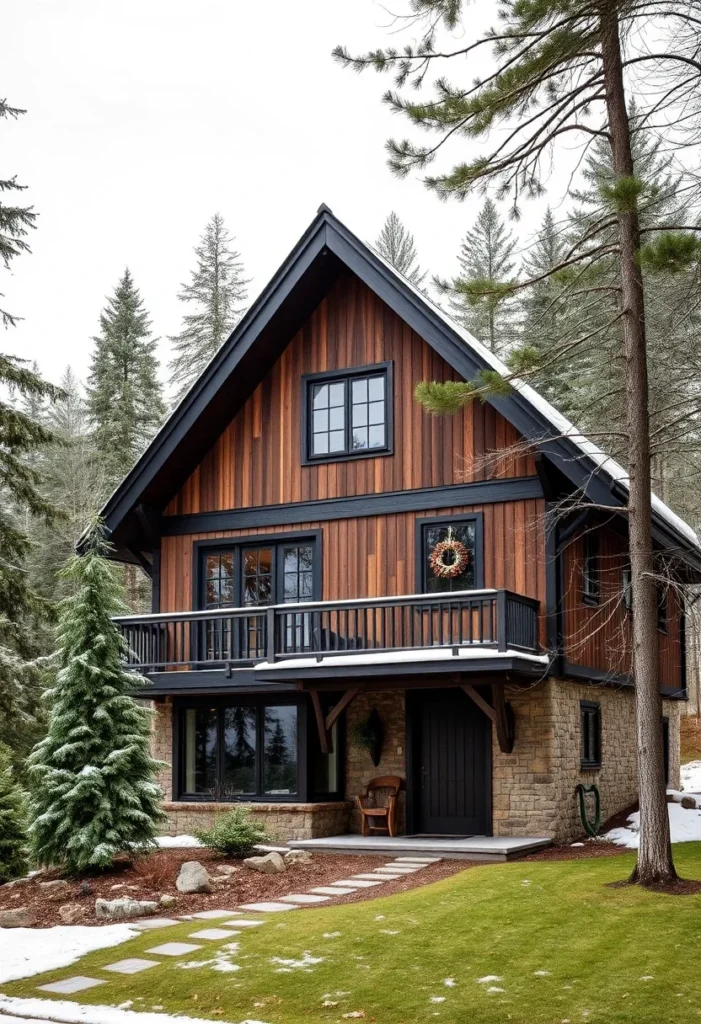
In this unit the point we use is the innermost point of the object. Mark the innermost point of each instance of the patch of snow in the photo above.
(388, 931)
(576, 844)
(541, 974)
(306, 961)
(28, 951)
(169, 842)
(330, 935)
(396, 656)
(67, 1012)
(487, 978)
(647, 977)
(493, 989)
(690, 775)
(684, 826)
(437, 999)
(449, 982)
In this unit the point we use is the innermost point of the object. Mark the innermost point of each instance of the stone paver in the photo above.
(174, 948)
(146, 923)
(334, 890)
(70, 985)
(380, 876)
(303, 897)
(132, 965)
(418, 860)
(358, 882)
(211, 933)
(402, 869)
(211, 915)
(268, 908)
(242, 924)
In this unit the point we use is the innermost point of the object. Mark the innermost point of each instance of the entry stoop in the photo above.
(486, 848)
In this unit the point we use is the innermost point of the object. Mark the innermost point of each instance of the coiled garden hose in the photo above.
(590, 828)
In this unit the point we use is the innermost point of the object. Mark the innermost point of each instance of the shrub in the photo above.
(234, 833)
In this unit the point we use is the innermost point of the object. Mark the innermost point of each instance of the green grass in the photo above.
(510, 920)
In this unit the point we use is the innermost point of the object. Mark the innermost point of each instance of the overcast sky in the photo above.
(144, 117)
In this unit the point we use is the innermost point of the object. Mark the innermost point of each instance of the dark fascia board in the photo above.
(476, 666)
(617, 680)
(209, 681)
(327, 233)
(387, 503)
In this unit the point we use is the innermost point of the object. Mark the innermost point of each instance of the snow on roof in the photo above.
(423, 654)
(556, 419)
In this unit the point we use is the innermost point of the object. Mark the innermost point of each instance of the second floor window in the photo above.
(348, 414)
(590, 569)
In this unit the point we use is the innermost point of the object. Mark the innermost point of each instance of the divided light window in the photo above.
(591, 586)
(348, 414)
(590, 716)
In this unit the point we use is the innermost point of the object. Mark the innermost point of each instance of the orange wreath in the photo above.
(457, 553)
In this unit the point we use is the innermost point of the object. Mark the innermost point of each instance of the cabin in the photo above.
(346, 587)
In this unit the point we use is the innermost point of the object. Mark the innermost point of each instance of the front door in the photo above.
(451, 752)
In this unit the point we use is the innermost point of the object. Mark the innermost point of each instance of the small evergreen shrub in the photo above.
(13, 832)
(234, 833)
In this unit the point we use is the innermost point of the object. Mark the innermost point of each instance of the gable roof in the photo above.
(325, 249)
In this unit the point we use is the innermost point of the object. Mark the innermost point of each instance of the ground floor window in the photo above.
(258, 748)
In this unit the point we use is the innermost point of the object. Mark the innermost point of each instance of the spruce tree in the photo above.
(13, 824)
(93, 782)
(125, 402)
(397, 246)
(22, 504)
(217, 291)
(479, 300)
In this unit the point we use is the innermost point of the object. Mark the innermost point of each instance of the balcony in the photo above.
(314, 632)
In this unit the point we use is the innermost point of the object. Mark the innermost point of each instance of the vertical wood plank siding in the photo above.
(257, 460)
(600, 636)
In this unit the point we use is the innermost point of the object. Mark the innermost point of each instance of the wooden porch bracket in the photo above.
(497, 712)
(325, 725)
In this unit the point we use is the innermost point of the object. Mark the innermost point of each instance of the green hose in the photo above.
(591, 829)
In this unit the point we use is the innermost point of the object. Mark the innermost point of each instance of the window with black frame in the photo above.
(348, 413)
(240, 751)
(449, 551)
(591, 584)
(590, 719)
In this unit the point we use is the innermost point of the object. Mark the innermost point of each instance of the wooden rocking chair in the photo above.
(370, 807)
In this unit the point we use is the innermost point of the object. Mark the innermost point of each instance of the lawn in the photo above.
(525, 942)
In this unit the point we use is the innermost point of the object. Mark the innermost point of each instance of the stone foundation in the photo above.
(283, 821)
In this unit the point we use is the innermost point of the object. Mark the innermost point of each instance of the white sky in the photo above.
(144, 117)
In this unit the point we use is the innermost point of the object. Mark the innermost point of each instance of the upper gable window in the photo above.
(348, 413)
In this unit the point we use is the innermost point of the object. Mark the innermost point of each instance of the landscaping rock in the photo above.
(297, 857)
(271, 864)
(17, 881)
(167, 900)
(226, 869)
(193, 878)
(18, 917)
(71, 913)
(55, 884)
(689, 802)
(121, 909)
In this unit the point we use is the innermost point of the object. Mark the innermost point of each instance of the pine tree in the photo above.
(218, 291)
(13, 824)
(124, 394)
(479, 301)
(397, 246)
(22, 612)
(93, 782)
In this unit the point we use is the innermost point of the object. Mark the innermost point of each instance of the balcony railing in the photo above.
(236, 637)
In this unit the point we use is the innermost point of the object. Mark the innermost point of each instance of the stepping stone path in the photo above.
(228, 928)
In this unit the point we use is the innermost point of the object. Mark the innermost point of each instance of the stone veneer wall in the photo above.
(534, 787)
(391, 707)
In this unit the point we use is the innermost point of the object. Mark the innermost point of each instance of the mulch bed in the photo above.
(151, 876)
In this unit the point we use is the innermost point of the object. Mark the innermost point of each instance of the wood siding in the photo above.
(600, 636)
(374, 556)
(257, 459)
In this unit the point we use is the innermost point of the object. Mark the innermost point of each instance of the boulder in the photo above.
(17, 881)
(689, 802)
(297, 857)
(167, 900)
(226, 869)
(124, 908)
(193, 878)
(18, 917)
(271, 864)
(71, 913)
(56, 883)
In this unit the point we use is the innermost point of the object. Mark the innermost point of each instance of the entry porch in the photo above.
(486, 848)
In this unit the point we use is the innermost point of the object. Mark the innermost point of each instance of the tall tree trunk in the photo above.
(655, 863)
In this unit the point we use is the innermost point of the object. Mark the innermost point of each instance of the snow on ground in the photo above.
(169, 842)
(28, 951)
(684, 825)
(74, 1013)
(690, 775)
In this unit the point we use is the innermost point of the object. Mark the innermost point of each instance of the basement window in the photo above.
(590, 719)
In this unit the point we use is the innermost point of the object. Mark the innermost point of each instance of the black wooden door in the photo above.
(453, 765)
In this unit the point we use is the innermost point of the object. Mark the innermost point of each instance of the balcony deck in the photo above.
(282, 639)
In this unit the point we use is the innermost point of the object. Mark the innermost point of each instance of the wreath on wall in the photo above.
(449, 558)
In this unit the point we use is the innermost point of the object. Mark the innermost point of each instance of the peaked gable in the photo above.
(316, 262)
